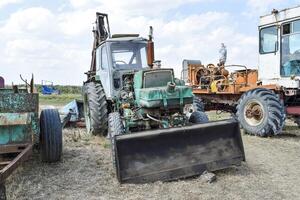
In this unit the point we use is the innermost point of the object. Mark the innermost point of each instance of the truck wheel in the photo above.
(115, 127)
(50, 135)
(95, 108)
(260, 112)
(198, 118)
(198, 104)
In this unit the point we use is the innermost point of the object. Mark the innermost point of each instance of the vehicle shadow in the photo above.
(289, 132)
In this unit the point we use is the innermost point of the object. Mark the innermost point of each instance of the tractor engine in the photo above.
(126, 95)
(159, 100)
(218, 79)
(212, 76)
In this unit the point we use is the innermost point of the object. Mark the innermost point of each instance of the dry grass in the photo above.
(271, 172)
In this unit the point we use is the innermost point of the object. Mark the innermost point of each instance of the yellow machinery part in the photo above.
(214, 86)
(220, 85)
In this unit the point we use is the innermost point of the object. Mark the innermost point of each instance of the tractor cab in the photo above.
(119, 56)
(279, 48)
(127, 53)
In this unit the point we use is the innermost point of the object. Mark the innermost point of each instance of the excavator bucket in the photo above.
(170, 154)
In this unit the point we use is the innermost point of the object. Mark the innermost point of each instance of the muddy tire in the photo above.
(260, 112)
(115, 127)
(198, 118)
(198, 104)
(50, 136)
(95, 108)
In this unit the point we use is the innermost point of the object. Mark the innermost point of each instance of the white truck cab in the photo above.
(279, 48)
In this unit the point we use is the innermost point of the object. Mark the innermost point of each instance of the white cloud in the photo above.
(33, 42)
(4, 3)
(77, 23)
(263, 7)
(57, 46)
(80, 3)
(137, 7)
(30, 22)
(133, 7)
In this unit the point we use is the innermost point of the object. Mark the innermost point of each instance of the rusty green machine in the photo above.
(22, 129)
(157, 128)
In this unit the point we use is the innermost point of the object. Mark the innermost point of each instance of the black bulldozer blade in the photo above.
(170, 154)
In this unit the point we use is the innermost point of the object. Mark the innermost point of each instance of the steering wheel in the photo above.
(120, 61)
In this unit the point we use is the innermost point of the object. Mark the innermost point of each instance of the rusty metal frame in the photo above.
(23, 150)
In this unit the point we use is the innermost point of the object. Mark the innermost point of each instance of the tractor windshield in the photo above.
(129, 55)
(290, 51)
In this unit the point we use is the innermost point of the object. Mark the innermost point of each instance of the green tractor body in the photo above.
(157, 128)
(155, 92)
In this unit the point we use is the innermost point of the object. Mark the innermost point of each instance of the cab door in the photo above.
(269, 57)
(103, 70)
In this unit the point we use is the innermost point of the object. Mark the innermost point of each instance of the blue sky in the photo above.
(52, 39)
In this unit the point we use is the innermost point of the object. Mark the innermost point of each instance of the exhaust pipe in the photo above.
(150, 49)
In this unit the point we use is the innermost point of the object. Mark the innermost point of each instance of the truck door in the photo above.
(269, 56)
(103, 70)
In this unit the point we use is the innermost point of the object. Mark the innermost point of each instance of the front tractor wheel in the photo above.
(199, 118)
(260, 112)
(115, 127)
(95, 108)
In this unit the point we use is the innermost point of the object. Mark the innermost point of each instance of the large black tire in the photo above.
(95, 108)
(198, 104)
(50, 135)
(260, 112)
(115, 127)
(198, 118)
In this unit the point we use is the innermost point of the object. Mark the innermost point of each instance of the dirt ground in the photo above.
(272, 171)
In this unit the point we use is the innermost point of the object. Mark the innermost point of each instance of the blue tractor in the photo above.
(48, 88)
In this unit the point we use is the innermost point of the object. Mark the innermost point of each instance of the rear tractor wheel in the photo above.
(260, 112)
(95, 108)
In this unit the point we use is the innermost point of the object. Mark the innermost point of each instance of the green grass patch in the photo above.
(216, 116)
(58, 100)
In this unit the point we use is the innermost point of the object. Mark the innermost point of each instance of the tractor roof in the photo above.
(122, 39)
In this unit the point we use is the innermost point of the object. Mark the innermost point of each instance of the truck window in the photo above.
(268, 40)
(104, 59)
(290, 49)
